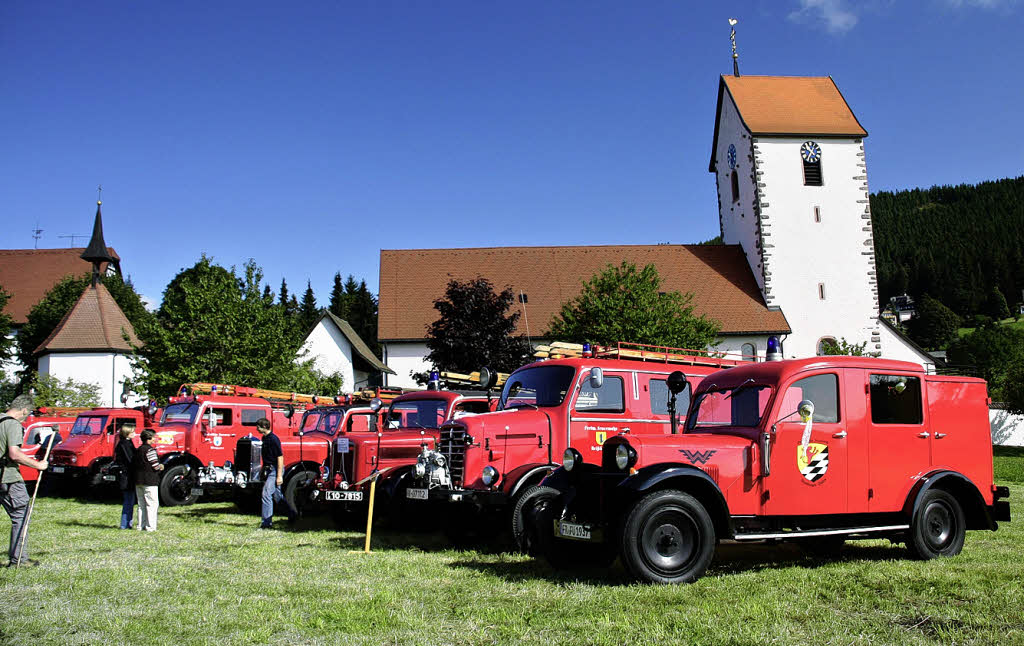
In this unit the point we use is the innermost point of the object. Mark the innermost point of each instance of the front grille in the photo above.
(247, 457)
(453, 448)
(348, 464)
(60, 457)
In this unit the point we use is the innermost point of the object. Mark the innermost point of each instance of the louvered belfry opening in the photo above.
(812, 173)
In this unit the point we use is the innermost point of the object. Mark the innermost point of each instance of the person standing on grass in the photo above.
(146, 471)
(13, 494)
(124, 455)
(273, 470)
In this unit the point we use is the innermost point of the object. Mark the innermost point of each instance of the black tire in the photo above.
(297, 489)
(560, 553)
(524, 528)
(176, 486)
(668, 537)
(938, 527)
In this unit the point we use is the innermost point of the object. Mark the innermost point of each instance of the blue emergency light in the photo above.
(434, 382)
(774, 349)
(587, 351)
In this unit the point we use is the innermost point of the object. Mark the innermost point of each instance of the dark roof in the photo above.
(27, 274)
(97, 251)
(358, 344)
(719, 277)
(787, 106)
(94, 323)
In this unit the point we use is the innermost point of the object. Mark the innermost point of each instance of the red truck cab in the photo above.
(490, 462)
(817, 450)
(38, 427)
(88, 447)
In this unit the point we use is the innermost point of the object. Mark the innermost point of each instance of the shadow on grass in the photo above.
(730, 559)
(386, 540)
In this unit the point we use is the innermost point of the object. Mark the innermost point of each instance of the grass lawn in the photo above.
(209, 576)
(1019, 324)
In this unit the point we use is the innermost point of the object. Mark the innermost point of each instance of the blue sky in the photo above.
(310, 135)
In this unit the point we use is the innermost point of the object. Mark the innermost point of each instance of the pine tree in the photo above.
(338, 304)
(283, 296)
(308, 311)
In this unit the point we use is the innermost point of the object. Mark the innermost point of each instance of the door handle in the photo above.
(939, 436)
(923, 434)
(840, 435)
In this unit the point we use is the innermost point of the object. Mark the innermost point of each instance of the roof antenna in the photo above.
(735, 56)
(36, 234)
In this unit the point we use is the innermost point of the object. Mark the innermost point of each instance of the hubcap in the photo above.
(938, 524)
(669, 541)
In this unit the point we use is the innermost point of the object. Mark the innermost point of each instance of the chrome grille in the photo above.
(453, 448)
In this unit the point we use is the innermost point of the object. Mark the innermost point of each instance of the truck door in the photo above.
(899, 440)
(654, 391)
(219, 438)
(809, 478)
(600, 413)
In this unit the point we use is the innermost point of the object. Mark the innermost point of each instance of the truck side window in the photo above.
(823, 390)
(608, 398)
(896, 399)
(252, 415)
(474, 407)
(660, 396)
(223, 416)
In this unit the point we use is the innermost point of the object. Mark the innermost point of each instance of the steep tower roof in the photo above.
(94, 324)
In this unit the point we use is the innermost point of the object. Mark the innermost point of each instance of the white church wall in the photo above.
(733, 346)
(331, 352)
(107, 370)
(897, 348)
(738, 219)
(404, 357)
(821, 273)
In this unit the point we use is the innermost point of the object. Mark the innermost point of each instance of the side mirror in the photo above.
(488, 378)
(766, 454)
(110, 429)
(805, 410)
(677, 382)
(375, 404)
(212, 417)
(596, 377)
(289, 412)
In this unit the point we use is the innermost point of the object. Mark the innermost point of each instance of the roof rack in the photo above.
(472, 379)
(644, 352)
(245, 391)
(61, 411)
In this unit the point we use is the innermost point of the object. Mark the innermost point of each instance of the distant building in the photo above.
(336, 348)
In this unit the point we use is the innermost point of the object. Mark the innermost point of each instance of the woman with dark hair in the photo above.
(146, 467)
(124, 455)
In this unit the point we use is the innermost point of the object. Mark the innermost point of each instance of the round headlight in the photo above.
(439, 460)
(569, 459)
(419, 469)
(489, 476)
(74, 459)
(621, 457)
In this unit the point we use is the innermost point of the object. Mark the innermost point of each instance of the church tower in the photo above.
(788, 156)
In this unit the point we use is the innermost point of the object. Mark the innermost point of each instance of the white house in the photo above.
(336, 348)
(798, 257)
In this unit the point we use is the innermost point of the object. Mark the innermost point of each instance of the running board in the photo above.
(821, 532)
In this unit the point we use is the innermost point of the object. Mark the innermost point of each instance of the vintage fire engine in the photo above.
(489, 463)
(88, 447)
(38, 427)
(412, 427)
(197, 433)
(308, 454)
(817, 450)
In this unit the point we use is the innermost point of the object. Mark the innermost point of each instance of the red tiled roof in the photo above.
(94, 323)
(27, 274)
(718, 275)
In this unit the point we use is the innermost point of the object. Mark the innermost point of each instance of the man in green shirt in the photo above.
(13, 494)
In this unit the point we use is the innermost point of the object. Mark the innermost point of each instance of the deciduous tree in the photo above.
(6, 326)
(52, 391)
(627, 304)
(934, 325)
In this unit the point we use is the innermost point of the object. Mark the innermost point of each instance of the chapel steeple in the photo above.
(97, 251)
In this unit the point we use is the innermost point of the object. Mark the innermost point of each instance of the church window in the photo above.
(823, 344)
(817, 214)
(735, 187)
(821, 291)
(749, 352)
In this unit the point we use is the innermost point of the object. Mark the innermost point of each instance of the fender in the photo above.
(296, 467)
(563, 481)
(650, 477)
(390, 483)
(524, 474)
(976, 512)
(169, 459)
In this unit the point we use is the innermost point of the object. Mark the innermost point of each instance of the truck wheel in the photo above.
(562, 554)
(938, 527)
(176, 487)
(668, 537)
(524, 529)
(296, 490)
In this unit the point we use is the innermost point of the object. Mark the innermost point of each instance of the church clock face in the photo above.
(810, 151)
(732, 156)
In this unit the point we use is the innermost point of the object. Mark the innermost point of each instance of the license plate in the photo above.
(57, 469)
(196, 491)
(573, 530)
(344, 496)
(109, 478)
(416, 494)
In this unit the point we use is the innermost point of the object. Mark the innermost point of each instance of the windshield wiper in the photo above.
(739, 388)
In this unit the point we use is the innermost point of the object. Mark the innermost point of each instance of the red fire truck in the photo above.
(817, 450)
(413, 423)
(489, 463)
(38, 427)
(307, 454)
(197, 433)
(88, 447)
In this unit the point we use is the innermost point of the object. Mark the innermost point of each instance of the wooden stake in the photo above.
(31, 504)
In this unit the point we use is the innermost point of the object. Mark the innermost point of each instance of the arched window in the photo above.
(810, 153)
(823, 342)
(735, 187)
(749, 352)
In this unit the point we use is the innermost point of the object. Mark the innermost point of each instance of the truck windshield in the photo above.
(91, 425)
(540, 386)
(740, 406)
(424, 413)
(322, 421)
(179, 414)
